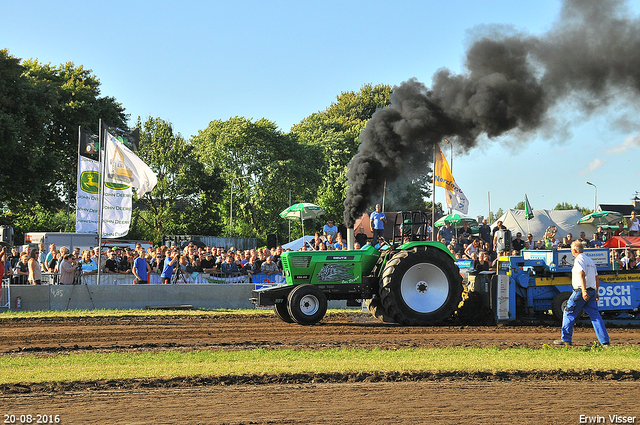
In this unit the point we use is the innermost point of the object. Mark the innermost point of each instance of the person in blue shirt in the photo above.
(87, 266)
(139, 268)
(340, 244)
(329, 229)
(378, 220)
(167, 270)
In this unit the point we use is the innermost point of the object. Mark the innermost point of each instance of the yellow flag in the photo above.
(442, 172)
(453, 194)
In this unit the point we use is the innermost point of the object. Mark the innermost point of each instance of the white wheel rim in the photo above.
(424, 288)
(309, 305)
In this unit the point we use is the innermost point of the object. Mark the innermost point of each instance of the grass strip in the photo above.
(168, 364)
(8, 315)
(122, 313)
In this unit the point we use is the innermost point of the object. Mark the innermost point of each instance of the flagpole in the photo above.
(290, 221)
(527, 211)
(77, 177)
(433, 196)
(384, 193)
(101, 149)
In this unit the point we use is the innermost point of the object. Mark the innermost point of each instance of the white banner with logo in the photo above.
(118, 199)
(123, 166)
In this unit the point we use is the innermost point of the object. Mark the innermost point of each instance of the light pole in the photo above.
(595, 201)
(231, 204)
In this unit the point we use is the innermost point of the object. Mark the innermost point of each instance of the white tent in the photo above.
(297, 244)
(565, 220)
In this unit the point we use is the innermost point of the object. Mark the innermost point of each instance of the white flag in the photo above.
(123, 166)
(457, 200)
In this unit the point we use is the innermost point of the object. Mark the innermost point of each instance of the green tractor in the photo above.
(410, 280)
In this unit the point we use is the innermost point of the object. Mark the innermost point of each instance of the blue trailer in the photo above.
(539, 282)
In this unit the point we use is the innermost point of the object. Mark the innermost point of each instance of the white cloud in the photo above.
(595, 164)
(628, 144)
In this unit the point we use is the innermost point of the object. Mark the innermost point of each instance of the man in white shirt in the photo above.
(585, 282)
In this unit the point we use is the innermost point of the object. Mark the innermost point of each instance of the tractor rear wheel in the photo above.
(282, 312)
(307, 304)
(377, 310)
(421, 286)
(559, 303)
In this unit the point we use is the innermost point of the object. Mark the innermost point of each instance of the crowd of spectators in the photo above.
(493, 243)
(66, 267)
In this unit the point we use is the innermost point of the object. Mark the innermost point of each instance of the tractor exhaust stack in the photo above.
(351, 238)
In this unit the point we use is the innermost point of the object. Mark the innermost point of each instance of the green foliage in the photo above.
(24, 121)
(494, 216)
(567, 206)
(263, 165)
(185, 198)
(41, 107)
(334, 132)
(439, 209)
(74, 100)
(35, 218)
(408, 194)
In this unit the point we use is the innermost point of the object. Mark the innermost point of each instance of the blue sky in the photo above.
(191, 62)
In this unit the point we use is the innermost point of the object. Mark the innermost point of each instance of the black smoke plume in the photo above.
(511, 81)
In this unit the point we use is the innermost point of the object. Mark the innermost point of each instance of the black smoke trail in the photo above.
(511, 81)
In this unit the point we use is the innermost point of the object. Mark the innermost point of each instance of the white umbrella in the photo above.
(302, 211)
(298, 243)
(601, 218)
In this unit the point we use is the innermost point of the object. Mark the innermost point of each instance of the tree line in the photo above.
(42, 105)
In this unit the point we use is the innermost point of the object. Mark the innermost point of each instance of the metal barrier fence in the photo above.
(154, 279)
(5, 294)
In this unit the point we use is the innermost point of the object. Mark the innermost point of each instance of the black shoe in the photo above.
(561, 342)
(606, 345)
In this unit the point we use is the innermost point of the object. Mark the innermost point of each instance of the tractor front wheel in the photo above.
(282, 312)
(307, 304)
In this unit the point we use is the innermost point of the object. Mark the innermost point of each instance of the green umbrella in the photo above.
(302, 211)
(457, 220)
(601, 218)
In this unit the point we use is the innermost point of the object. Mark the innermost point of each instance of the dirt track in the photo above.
(335, 398)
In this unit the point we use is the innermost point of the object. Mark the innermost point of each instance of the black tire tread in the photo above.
(556, 304)
(282, 312)
(377, 310)
(401, 313)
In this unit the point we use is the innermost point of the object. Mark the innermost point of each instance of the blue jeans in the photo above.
(574, 307)
(377, 233)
